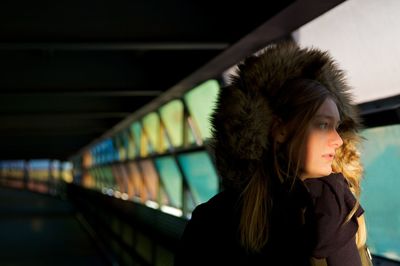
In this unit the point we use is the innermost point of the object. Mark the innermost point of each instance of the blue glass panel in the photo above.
(200, 174)
(380, 190)
(171, 178)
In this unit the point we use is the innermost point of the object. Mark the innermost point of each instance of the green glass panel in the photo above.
(151, 124)
(200, 175)
(122, 147)
(143, 144)
(380, 189)
(191, 139)
(129, 144)
(103, 177)
(201, 103)
(97, 178)
(172, 116)
(171, 178)
(110, 177)
(136, 133)
(189, 202)
(119, 147)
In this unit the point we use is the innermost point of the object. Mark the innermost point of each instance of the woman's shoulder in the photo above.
(334, 183)
(221, 203)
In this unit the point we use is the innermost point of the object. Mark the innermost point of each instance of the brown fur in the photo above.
(243, 116)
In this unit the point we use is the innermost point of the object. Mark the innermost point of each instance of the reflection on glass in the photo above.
(380, 192)
(201, 176)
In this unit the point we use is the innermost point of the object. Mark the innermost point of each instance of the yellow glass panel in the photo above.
(141, 140)
(151, 124)
(172, 116)
(155, 132)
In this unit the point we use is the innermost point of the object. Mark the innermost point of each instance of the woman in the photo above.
(284, 138)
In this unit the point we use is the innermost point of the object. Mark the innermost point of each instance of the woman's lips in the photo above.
(329, 156)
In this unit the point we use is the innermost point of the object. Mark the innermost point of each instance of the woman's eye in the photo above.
(323, 125)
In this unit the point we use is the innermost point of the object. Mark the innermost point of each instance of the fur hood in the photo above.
(242, 119)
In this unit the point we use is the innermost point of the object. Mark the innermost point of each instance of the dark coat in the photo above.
(332, 202)
(305, 222)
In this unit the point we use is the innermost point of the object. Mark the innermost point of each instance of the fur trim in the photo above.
(242, 118)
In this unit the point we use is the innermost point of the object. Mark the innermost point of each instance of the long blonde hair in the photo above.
(348, 163)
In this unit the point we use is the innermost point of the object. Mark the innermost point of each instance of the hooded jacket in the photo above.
(241, 125)
(242, 119)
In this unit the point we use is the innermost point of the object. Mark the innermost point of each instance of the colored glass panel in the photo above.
(13, 169)
(380, 192)
(141, 140)
(190, 137)
(172, 116)
(201, 103)
(151, 124)
(39, 170)
(154, 131)
(120, 147)
(200, 174)
(150, 178)
(119, 180)
(136, 132)
(171, 178)
(127, 180)
(110, 180)
(139, 191)
(129, 144)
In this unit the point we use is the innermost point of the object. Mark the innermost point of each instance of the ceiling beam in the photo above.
(113, 46)
(276, 28)
(98, 93)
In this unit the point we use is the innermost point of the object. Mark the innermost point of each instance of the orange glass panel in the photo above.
(128, 180)
(150, 179)
(120, 186)
(139, 190)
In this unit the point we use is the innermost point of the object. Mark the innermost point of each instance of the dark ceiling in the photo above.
(70, 70)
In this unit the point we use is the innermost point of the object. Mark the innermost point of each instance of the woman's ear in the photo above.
(279, 130)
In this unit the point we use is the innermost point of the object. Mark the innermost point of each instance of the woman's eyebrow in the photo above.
(328, 117)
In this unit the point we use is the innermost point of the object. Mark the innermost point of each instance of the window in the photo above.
(380, 196)
(200, 174)
(171, 179)
(201, 103)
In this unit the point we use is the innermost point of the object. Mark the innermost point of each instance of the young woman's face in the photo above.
(322, 140)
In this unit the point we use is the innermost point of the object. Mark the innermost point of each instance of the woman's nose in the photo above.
(336, 140)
